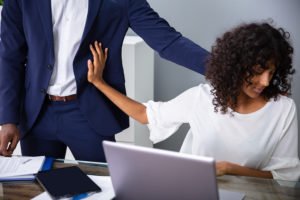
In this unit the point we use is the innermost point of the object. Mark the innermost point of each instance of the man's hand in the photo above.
(95, 68)
(9, 138)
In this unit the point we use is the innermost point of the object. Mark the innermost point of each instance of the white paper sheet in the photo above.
(20, 165)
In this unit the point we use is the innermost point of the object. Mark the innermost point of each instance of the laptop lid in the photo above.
(146, 173)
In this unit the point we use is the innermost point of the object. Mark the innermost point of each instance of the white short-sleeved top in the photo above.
(266, 139)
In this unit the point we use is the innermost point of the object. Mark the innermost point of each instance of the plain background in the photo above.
(203, 21)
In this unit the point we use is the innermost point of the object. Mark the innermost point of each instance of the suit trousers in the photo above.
(60, 125)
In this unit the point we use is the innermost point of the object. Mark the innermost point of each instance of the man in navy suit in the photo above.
(45, 98)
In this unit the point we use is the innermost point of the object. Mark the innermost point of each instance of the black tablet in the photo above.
(66, 182)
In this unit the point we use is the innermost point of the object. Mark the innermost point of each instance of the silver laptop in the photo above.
(150, 174)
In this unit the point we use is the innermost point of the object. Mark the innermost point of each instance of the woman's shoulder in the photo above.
(284, 102)
(204, 88)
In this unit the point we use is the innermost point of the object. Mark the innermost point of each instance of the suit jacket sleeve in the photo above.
(13, 50)
(158, 34)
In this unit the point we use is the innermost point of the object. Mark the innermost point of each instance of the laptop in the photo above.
(146, 173)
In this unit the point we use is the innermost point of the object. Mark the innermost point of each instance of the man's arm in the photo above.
(13, 50)
(159, 35)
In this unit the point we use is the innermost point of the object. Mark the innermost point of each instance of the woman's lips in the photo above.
(258, 90)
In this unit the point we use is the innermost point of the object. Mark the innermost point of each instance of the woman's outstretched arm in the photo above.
(224, 168)
(132, 108)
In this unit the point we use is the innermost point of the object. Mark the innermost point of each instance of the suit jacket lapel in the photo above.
(46, 18)
(93, 9)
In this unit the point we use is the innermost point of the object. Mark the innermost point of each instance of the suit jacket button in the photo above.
(43, 91)
(49, 67)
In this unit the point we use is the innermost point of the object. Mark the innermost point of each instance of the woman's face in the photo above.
(259, 81)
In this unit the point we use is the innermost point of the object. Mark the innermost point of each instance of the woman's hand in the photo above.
(222, 168)
(132, 108)
(96, 67)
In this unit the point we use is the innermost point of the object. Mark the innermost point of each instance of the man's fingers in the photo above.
(12, 146)
(3, 147)
(9, 138)
(3, 144)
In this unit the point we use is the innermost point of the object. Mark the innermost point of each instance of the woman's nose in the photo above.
(265, 79)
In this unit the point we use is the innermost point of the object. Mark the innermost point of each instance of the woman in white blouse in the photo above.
(243, 117)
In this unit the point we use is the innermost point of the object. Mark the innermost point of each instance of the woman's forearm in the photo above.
(132, 108)
(234, 169)
(245, 171)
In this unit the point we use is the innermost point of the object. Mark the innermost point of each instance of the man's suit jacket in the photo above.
(27, 57)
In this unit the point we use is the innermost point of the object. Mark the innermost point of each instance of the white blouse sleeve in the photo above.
(166, 117)
(284, 163)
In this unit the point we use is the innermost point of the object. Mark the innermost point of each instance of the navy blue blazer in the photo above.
(27, 57)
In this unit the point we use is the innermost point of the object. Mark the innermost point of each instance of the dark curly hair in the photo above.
(237, 51)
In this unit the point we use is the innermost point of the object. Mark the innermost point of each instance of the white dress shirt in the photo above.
(68, 19)
(266, 139)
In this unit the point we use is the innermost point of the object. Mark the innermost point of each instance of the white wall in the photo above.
(138, 64)
(204, 20)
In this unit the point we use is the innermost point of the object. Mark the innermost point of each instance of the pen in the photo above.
(26, 161)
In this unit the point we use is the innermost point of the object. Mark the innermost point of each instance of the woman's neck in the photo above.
(248, 105)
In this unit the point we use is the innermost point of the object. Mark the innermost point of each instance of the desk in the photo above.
(254, 188)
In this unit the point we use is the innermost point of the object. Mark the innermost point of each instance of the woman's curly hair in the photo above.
(237, 51)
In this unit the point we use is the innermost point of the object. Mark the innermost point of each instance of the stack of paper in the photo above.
(18, 168)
